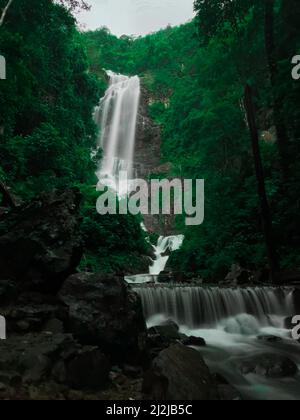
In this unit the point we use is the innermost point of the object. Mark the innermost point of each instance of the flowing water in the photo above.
(116, 117)
(165, 246)
(231, 320)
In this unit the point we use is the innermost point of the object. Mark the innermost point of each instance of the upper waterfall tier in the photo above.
(164, 246)
(116, 117)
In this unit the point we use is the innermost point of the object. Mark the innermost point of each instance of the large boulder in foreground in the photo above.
(40, 244)
(103, 311)
(179, 373)
(34, 359)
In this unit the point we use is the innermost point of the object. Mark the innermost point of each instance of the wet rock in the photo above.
(39, 242)
(88, 370)
(168, 330)
(226, 391)
(30, 358)
(296, 297)
(269, 339)
(179, 373)
(288, 323)
(269, 365)
(30, 317)
(156, 343)
(103, 311)
(165, 277)
(35, 359)
(194, 341)
(132, 371)
(55, 326)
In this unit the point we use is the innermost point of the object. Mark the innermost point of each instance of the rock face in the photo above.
(148, 139)
(269, 365)
(238, 276)
(89, 369)
(168, 330)
(39, 242)
(147, 161)
(103, 311)
(63, 329)
(33, 358)
(179, 373)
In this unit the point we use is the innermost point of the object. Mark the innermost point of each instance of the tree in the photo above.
(278, 100)
(261, 188)
(71, 5)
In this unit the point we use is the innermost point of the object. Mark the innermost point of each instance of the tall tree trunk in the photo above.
(4, 12)
(7, 198)
(264, 205)
(278, 100)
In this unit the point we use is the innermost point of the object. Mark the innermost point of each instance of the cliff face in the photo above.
(148, 161)
(148, 140)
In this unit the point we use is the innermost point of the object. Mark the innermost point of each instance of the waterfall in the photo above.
(116, 116)
(196, 307)
(164, 245)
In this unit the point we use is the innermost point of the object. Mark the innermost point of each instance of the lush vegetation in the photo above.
(197, 75)
(46, 126)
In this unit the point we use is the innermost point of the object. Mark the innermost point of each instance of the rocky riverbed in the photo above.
(83, 336)
(70, 335)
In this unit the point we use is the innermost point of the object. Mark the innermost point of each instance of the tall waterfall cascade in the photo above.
(116, 116)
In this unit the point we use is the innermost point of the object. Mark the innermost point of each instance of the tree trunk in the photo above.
(264, 205)
(278, 100)
(7, 198)
(4, 12)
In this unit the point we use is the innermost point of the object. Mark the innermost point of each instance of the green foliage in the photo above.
(47, 131)
(196, 75)
(112, 242)
(47, 100)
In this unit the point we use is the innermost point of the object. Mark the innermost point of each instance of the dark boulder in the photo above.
(29, 358)
(227, 392)
(103, 311)
(32, 312)
(88, 370)
(179, 373)
(40, 244)
(269, 339)
(41, 358)
(194, 341)
(269, 365)
(168, 330)
(288, 323)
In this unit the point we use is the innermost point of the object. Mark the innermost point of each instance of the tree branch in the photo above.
(4, 12)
